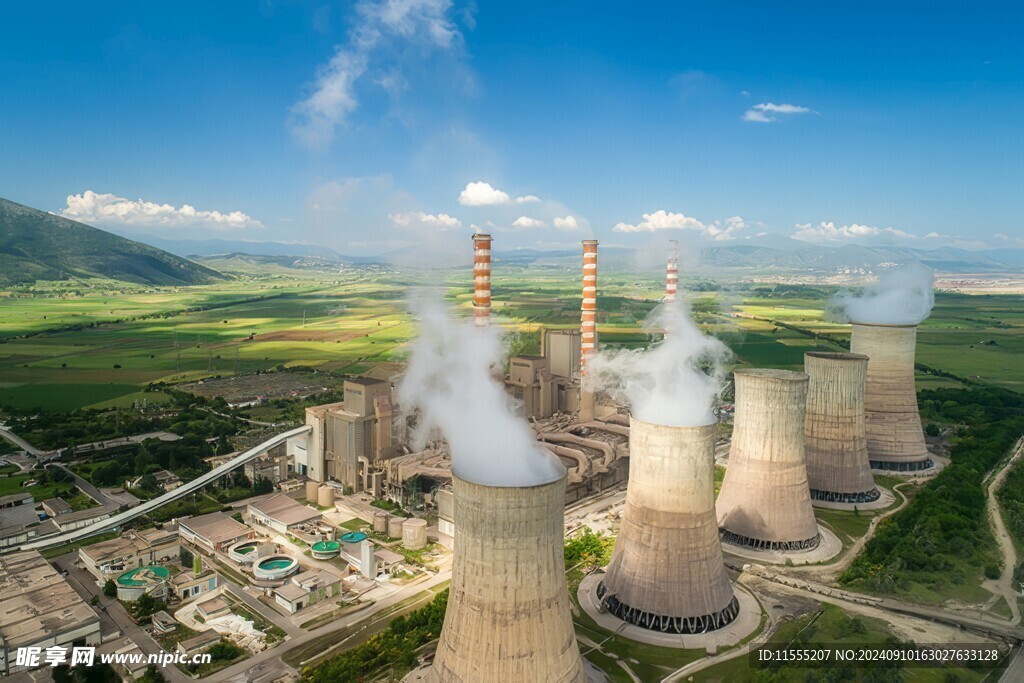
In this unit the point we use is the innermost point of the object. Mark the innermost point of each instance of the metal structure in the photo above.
(667, 573)
(672, 271)
(508, 617)
(835, 441)
(481, 278)
(893, 423)
(588, 324)
(765, 502)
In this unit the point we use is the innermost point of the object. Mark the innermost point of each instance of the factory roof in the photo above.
(388, 556)
(131, 542)
(203, 639)
(36, 603)
(365, 381)
(215, 527)
(285, 510)
(14, 498)
(58, 506)
(212, 605)
(97, 513)
(291, 591)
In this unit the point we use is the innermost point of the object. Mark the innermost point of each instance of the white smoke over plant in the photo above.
(449, 379)
(674, 382)
(901, 296)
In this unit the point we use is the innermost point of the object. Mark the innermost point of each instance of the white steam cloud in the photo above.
(672, 383)
(901, 296)
(449, 378)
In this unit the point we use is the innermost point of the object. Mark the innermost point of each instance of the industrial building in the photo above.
(307, 588)
(508, 615)
(667, 572)
(281, 513)
(765, 501)
(213, 532)
(548, 383)
(134, 548)
(892, 420)
(38, 608)
(835, 440)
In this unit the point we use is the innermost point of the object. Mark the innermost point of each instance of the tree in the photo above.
(197, 565)
(152, 675)
(186, 557)
(110, 589)
(263, 485)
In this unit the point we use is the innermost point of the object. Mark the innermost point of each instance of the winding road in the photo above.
(1004, 585)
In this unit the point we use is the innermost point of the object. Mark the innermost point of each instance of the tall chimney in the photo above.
(765, 502)
(835, 441)
(895, 437)
(481, 278)
(588, 322)
(508, 616)
(672, 271)
(667, 573)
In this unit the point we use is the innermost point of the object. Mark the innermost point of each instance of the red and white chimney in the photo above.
(481, 279)
(672, 271)
(588, 324)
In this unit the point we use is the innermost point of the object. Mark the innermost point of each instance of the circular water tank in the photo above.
(395, 527)
(380, 522)
(414, 533)
(325, 496)
(311, 488)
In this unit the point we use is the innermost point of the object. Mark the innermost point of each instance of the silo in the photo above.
(395, 526)
(325, 496)
(311, 489)
(414, 533)
(835, 442)
(892, 420)
(765, 502)
(508, 616)
(666, 572)
(380, 522)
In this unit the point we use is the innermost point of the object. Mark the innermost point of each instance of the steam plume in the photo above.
(673, 383)
(449, 379)
(901, 296)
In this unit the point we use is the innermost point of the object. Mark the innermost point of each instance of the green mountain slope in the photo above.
(35, 245)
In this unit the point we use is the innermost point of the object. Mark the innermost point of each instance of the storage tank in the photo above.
(380, 522)
(414, 533)
(508, 617)
(325, 496)
(667, 573)
(892, 420)
(311, 490)
(765, 502)
(835, 441)
(395, 526)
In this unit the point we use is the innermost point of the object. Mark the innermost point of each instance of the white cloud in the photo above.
(482, 194)
(527, 199)
(764, 112)
(567, 223)
(109, 209)
(378, 23)
(527, 222)
(661, 220)
(723, 231)
(828, 231)
(417, 218)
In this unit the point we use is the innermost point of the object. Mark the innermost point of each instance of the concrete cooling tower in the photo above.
(508, 616)
(765, 502)
(893, 422)
(835, 442)
(666, 572)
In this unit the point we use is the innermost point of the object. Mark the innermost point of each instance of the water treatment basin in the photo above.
(275, 567)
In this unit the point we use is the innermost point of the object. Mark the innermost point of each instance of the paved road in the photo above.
(20, 442)
(1004, 585)
(263, 610)
(88, 488)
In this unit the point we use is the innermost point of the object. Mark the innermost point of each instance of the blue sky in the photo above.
(360, 125)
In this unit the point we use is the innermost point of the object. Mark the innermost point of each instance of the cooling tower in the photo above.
(667, 572)
(508, 617)
(672, 271)
(835, 442)
(588, 324)
(765, 502)
(893, 423)
(481, 278)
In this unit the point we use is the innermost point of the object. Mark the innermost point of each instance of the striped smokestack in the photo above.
(672, 271)
(481, 278)
(588, 322)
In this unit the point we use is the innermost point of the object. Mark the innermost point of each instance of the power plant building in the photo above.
(667, 573)
(835, 440)
(893, 423)
(765, 501)
(548, 383)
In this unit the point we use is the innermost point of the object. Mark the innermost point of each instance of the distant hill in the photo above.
(827, 259)
(35, 245)
(219, 247)
(253, 262)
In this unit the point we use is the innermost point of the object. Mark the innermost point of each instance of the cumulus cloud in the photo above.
(661, 220)
(527, 222)
(527, 199)
(723, 231)
(378, 23)
(480, 193)
(417, 218)
(769, 112)
(109, 209)
(828, 231)
(567, 223)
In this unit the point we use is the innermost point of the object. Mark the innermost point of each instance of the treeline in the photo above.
(396, 645)
(943, 533)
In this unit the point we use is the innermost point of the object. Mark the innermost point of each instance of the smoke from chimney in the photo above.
(901, 296)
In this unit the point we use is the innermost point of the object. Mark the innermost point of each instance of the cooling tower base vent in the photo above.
(896, 466)
(759, 544)
(665, 623)
(838, 497)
